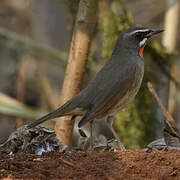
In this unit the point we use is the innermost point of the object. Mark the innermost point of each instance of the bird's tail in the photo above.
(64, 110)
(51, 115)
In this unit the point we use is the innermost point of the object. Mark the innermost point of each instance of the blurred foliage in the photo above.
(12, 40)
(113, 19)
(12, 107)
(162, 58)
(159, 53)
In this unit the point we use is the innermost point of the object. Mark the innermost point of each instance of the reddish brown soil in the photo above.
(94, 166)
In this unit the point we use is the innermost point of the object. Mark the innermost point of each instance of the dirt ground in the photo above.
(94, 166)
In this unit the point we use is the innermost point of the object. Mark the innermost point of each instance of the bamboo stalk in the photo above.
(84, 27)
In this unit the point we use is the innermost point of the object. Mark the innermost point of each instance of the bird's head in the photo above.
(135, 38)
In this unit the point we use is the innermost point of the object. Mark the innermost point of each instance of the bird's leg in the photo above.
(91, 134)
(110, 121)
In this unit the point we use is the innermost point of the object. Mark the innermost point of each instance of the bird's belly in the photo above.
(127, 98)
(123, 102)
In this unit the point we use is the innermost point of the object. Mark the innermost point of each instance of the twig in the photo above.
(66, 162)
(169, 119)
(164, 110)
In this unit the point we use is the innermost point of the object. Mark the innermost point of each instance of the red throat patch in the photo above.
(141, 51)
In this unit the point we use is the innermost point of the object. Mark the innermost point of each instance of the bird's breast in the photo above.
(132, 90)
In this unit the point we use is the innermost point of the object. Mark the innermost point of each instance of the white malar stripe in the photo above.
(140, 30)
(142, 42)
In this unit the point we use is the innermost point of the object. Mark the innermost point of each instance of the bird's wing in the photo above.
(115, 85)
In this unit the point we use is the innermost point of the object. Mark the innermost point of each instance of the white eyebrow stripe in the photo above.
(140, 30)
(142, 42)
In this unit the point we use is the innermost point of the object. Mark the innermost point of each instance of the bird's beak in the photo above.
(153, 32)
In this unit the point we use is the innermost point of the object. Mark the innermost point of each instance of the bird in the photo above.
(113, 87)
